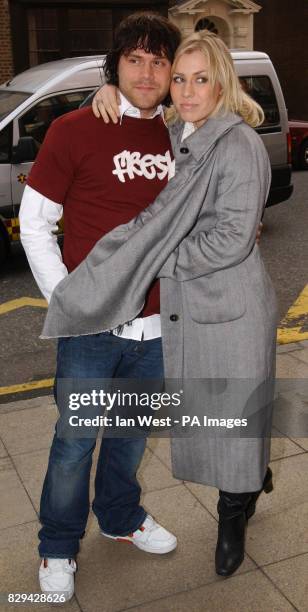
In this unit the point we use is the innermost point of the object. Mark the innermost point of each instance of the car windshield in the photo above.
(9, 100)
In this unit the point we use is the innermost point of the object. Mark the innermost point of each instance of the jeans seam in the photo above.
(106, 463)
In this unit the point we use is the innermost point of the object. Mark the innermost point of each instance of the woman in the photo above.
(218, 307)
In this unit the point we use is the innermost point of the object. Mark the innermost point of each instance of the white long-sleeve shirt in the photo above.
(38, 217)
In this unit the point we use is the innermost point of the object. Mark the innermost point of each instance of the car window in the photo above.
(36, 121)
(261, 89)
(6, 144)
(9, 100)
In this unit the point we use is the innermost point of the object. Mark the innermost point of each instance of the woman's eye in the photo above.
(202, 80)
(177, 79)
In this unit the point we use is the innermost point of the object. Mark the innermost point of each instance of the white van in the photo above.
(259, 79)
(34, 98)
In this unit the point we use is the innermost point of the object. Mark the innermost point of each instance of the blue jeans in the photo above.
(65, 497)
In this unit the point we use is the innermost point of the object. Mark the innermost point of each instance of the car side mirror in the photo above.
(25, 151)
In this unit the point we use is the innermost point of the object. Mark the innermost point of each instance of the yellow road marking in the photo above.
(36, 384)
(21, 302)
(9, 307)
(294, 326)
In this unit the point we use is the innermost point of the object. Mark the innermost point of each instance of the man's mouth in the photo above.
(145, 87)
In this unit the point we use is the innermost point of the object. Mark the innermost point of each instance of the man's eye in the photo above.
(159, 63)
(133, 60)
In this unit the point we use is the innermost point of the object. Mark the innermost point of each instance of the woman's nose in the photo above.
(187, 90)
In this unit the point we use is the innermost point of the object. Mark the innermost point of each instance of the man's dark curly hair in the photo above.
(143, 30)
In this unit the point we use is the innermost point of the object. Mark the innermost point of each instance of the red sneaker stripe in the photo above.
(123, 540)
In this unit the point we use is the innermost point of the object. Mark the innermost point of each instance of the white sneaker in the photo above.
(150, 537)
(57, 576)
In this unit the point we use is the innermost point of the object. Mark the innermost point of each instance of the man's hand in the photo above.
(106, 103)
(259, 232)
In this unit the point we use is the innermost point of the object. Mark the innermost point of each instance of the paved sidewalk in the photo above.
(115, 577)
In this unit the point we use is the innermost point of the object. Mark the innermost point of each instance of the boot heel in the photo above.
(251, 508)
(268, 487)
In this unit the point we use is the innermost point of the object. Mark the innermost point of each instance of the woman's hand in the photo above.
(106, 103)
(259, 232)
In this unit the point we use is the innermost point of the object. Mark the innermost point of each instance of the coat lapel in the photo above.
(202, 140)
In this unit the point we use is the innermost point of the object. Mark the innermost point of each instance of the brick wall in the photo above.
(6, 58)
(280, 29)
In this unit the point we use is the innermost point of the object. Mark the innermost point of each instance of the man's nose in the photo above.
(147, 71)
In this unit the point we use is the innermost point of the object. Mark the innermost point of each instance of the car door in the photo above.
(35, 123)
(259, 80)
(6, 208)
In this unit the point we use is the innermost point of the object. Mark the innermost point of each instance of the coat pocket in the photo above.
(217, 297)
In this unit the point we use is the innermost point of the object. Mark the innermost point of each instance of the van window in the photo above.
(261, 89)
(6, 144)
(9, 100)
(36, 121)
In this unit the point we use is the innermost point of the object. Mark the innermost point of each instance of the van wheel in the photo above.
(4, 245)
(303, 156)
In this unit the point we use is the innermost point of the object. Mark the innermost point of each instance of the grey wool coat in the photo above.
(218, 306)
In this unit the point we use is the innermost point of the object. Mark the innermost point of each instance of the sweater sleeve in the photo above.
(243, 185)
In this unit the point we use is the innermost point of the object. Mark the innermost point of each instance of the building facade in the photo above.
(280, 29)
(6, 59)
(232, 20)
(37, 31)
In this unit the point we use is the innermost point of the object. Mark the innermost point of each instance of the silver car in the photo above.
(33, 99)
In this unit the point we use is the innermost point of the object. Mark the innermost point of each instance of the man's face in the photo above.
(144, 80)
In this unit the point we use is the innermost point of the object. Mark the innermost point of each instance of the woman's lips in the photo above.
(187, 106)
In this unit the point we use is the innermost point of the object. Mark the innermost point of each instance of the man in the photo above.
(101, 176)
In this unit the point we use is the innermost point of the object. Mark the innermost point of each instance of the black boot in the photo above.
(230, 547)
(267, 488)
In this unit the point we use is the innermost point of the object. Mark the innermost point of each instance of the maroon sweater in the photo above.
(104, 175)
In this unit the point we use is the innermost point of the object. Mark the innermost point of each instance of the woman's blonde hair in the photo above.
(221, 70)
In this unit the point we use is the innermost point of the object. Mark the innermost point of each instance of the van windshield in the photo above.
(9, 100)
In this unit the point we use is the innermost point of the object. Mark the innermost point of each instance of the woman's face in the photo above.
(193, 96)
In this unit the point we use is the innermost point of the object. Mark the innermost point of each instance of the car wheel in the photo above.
(303, 156)
(4, 250)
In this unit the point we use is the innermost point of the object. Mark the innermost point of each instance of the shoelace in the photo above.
(150, 524)
(148, 527)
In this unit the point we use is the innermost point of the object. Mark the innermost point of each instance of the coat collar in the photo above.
(205, 137)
